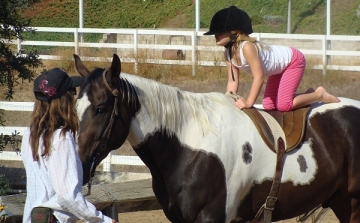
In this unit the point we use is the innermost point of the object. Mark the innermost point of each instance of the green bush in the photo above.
(4, 185)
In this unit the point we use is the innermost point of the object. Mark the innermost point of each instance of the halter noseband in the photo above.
(106, 135)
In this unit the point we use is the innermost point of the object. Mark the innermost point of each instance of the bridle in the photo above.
(106, 135)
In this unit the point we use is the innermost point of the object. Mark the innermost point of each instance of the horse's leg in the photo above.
(160, 192)
(355, 212)
(346, 209)
(354, 188)
(341, 206)
(354, 181)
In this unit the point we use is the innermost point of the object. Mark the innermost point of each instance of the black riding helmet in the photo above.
(229, 19)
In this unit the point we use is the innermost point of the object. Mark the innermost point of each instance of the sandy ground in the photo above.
(159, 217)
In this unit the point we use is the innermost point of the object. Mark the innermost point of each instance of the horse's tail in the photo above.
(315, 216)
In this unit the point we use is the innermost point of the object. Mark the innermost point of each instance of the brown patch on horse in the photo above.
(292, 123)
(184, 179)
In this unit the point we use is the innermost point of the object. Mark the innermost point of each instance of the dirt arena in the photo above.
(159, 217)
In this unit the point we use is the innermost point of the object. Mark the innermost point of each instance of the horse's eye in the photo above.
(100, 111)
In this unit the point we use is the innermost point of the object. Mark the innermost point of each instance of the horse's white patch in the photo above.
(81, 105)
(321, 108)
(166, 107)
(136, 134)
(264, 162)
(293, 171)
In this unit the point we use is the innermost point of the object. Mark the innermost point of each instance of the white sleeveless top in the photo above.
(274, 59)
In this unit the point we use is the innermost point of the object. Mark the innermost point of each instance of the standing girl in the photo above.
(53, 167)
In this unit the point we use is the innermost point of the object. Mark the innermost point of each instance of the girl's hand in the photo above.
(243, 103)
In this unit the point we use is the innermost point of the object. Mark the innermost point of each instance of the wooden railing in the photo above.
(332, 52)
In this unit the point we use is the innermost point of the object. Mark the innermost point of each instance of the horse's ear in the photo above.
(80, 67)
(115, 67)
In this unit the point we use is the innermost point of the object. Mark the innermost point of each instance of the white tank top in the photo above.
(274, 59)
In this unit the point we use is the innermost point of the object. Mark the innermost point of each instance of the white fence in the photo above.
(107, 163)
(332, 52)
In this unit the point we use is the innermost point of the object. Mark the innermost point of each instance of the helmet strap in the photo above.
(232, 37)
(232, 40)
(229, 47)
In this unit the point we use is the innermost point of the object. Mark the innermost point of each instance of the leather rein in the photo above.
(106, 135)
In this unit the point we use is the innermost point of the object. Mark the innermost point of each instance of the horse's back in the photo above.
(345, 102)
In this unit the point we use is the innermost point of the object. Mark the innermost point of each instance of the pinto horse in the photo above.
(206, 157)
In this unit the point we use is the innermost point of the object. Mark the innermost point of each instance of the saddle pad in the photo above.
(275, 128)
(292, 123)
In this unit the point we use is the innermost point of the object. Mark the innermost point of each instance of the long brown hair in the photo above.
(47, 117)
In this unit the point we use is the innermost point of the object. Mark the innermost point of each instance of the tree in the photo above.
(15, 66)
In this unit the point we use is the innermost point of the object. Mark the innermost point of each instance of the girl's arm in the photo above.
(66, 176)
(252, 57)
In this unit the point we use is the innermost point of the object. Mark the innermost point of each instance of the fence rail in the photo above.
(16, 156)
(201, 48)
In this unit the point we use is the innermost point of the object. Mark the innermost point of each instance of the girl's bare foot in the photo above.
(325, 96)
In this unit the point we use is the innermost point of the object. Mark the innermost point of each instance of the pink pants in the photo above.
(281, 88)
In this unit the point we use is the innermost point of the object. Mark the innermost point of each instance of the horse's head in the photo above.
(104, 111)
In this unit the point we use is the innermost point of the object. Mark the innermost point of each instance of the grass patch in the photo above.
(307, 17)
(4, 185)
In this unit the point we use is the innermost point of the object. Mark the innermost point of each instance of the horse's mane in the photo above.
(170, 107)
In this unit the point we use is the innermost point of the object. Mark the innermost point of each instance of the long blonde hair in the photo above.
(244, 37)
(47, 117)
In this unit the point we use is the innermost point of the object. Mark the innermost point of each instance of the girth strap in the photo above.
(272, 198)
(269, 205)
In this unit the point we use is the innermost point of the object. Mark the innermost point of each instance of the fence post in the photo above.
(18, 45)
(324, 56)
(328, 47)
(107, 166)
(194, 45)
(76, 40)
(259, 37)
(136, 51)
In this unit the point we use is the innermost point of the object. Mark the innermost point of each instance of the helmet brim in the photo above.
(210, 33)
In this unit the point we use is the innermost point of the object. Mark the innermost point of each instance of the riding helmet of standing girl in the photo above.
(283, 66)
